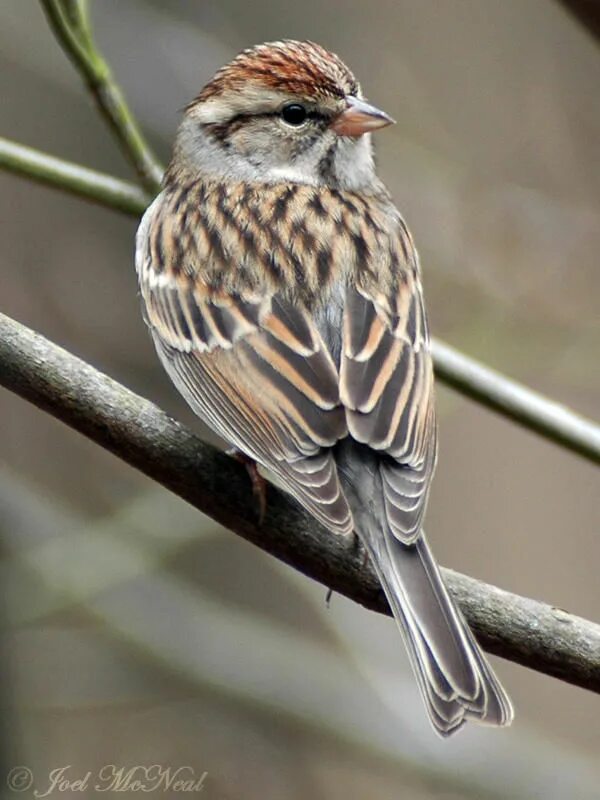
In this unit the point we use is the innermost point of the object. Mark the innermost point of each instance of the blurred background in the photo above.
(139, 632)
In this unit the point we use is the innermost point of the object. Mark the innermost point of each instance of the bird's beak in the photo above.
(359, 117)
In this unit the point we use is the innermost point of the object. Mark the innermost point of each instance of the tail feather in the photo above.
(454, 677)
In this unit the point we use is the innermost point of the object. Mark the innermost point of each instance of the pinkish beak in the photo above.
(359, 118)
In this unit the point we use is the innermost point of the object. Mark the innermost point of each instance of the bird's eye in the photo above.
(294, 114)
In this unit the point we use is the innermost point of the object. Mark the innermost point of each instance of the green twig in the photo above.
(73, 178)
(69, 21)
(78, 15)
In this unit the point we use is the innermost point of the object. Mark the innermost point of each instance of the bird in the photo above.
(282, 290)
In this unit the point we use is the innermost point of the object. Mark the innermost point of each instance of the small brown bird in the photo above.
(283, 292)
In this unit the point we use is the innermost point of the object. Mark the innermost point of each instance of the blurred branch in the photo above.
(73, 178)
(587, 12)
(69, 21)
(531, 633)
(530, 409)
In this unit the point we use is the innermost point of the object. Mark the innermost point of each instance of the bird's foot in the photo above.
(259, 484)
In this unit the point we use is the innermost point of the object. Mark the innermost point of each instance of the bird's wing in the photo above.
(256, 369)
(386, 385)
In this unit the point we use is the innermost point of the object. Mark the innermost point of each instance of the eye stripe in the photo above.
(223, 129)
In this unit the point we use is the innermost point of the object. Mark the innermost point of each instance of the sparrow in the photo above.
(282, 290)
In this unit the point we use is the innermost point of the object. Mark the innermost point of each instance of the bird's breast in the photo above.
(303, 240)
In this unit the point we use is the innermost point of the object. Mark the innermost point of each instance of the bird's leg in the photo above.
(259, 484)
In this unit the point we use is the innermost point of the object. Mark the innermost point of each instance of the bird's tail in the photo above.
(455, 679)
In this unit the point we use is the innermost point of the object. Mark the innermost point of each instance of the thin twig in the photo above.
(73, 178)
(530, 409)
(70, 23)
(526, 631)
(494, 390)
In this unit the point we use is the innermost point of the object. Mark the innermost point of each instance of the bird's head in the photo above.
(282, 112)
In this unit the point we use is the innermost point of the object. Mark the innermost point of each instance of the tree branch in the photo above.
(69, 21)
(507, 397)
(525, 631)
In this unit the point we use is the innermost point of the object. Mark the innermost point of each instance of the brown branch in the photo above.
(526, 631)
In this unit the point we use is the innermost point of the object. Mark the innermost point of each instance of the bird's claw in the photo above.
(259, 484)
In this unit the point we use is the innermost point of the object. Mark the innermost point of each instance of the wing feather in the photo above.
(386, 385)
(212, 386)
(257, 370)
